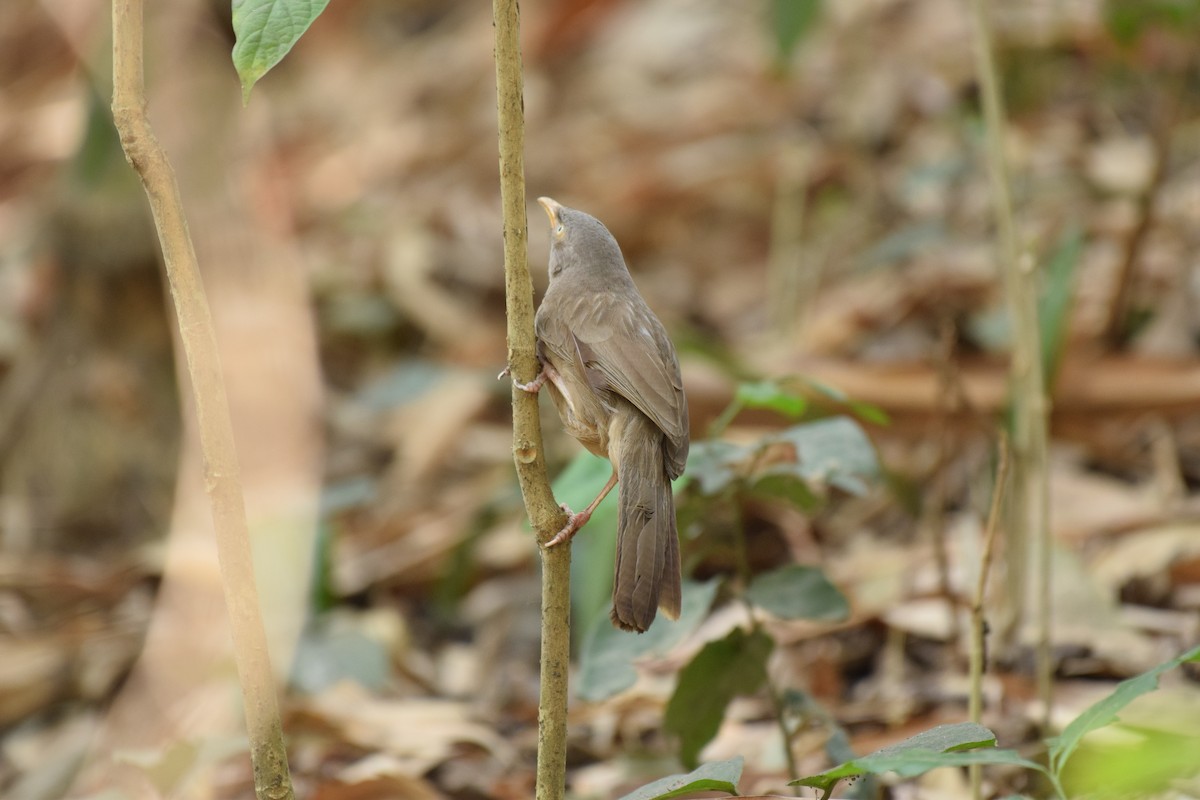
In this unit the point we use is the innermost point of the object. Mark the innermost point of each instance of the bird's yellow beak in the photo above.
(552, 208)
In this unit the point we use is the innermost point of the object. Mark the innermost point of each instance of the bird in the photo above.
(613, 375)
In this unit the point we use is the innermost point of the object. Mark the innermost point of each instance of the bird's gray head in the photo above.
(581, 247)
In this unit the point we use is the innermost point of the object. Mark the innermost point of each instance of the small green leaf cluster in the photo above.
(956, 745)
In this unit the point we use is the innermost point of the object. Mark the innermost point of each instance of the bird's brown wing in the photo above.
(623, 347)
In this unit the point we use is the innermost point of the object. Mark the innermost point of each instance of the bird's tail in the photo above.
(646, 576)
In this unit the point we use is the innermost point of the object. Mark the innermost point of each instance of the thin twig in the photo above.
(785, 734)
(773, 693)
(935, 503)
(789, 279)
(977, 649)
(1028, 496)
(221, 472)
(1116, 324)
(544, 513)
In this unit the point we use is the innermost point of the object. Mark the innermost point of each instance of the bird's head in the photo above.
(581, 245)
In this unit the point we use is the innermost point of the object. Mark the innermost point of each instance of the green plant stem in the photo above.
(776, 699)
(781, 721)
(718, 425)
(978, 645)
(1029, 500)
(222, 475)
(544, 514)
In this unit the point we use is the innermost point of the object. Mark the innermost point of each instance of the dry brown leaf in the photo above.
(419, 733)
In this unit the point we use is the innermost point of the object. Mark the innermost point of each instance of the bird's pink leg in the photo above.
(577, 521)
(547, 373)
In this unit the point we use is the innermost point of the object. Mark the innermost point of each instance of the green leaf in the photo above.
(1054, 305)
(865, 410)
(833, 451)
(786, 485)
(942, 739)
(606, 662)
(331, 651)
(719, 776)
(735, 665)
(790, 20)
(1105, 711)
(266, 30)
(1137, 762)
(712, 465)
(956, 745)
(870, 413)
(917, 762)
(798, 591)
(770, 395)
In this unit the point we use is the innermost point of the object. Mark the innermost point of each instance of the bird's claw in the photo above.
(574, 523)
(532, 387)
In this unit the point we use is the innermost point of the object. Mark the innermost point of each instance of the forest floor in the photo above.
(816, 213)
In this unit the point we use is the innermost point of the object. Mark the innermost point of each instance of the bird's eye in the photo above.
(559, 229)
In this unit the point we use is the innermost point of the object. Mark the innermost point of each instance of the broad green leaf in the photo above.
(790, 20)
(798, 591)
(712, 465)
(331, 651)
(719, 776)
(911, 763)
(770, 395)
(266, 30)
(956, 745)
(942, 739)
(606, 661)
(1105, 711)
(1054, 305)
(834, 451)
(786, 485)
(722, 670)
(1137, 763)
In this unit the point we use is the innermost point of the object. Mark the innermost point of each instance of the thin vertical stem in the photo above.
(1029, 499)
(544, 514)
(222, 476)
(977, 650)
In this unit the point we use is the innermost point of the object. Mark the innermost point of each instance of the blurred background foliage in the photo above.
(800, 190)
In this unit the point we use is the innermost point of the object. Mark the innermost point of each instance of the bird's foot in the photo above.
(574, 523)
(532, 387)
